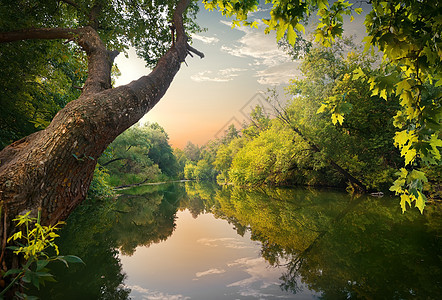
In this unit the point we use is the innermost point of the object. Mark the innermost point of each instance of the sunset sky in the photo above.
(210, 93)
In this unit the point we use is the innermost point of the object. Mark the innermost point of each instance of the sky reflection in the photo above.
(204, 259)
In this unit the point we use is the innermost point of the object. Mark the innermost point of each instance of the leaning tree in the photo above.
(52, 169)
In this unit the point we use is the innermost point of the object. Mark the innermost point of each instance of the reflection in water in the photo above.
(343, 247)
(325, 244)
(97, 231)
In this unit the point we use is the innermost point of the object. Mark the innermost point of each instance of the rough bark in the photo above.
(52, 169)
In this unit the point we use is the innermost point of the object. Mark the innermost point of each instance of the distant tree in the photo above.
(230, 133)
(140, 154)
(192, 151)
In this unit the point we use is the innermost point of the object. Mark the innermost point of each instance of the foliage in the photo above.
(299, 145)
(408, 35)
(141, 24)
(199, 161)
(35, 84)
(100, 186)
(266, 159)
(33, 245)
(39, 77)
(362, 144)
(192, 152)
(140, 154)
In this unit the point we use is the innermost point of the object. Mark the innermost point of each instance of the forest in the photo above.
(365, 119)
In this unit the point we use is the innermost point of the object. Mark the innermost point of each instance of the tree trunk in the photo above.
(53, 168)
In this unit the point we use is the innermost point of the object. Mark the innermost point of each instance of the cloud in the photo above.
(225, 242)
(271, 64)
(260, 277)
(209, 272)
(279, 74)
(223, 75)
(205, 39)
(155, 295)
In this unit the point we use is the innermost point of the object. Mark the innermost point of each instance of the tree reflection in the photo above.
(339, 246)
(96, 231)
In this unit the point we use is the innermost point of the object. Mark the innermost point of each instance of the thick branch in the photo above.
(152, 87)
(39, 34)
(111, 161)
(100, 60)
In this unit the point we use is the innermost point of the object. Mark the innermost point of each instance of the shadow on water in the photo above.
(338, 246)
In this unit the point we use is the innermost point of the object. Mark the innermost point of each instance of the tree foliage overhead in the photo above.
(143, 24)
(39, 77)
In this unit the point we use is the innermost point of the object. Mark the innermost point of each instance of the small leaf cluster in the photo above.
(33, 243)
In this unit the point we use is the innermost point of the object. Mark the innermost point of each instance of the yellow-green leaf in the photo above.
(410, 155)
(401, 138)
(383, 94)
(291, 35)
(357, 73)
(322, 108)
(300, 27)
(337, 118)
(420, 201)
(415, 174)
(404, 200)
(281, 30)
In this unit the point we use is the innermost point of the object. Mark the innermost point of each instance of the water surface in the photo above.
(196, 241)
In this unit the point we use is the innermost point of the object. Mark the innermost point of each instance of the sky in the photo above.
(209, 94)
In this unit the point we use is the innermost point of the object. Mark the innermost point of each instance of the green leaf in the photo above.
(12, 271)
(322, 4)
(300, 27)
(41, 264)
(69, 259)
(415, 174)
(291, 35)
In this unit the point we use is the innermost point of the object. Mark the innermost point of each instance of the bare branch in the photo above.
(191, 49)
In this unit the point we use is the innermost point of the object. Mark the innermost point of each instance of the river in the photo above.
(200, 241)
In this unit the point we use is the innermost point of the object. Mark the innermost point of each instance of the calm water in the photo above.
(195, 241)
